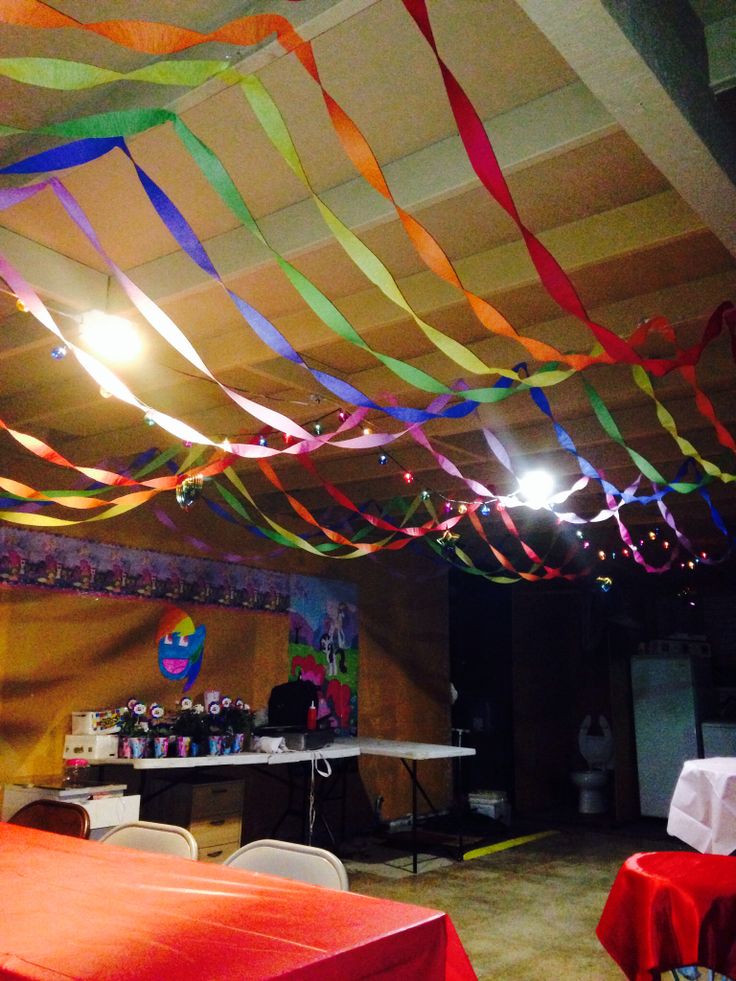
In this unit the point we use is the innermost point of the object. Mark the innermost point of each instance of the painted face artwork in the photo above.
(180, 647)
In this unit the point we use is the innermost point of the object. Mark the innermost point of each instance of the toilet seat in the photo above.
(597, 749)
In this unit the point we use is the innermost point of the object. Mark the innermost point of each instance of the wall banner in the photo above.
(34, 558)
(323, 647)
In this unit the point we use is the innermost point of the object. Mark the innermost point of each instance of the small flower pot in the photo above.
(215, 745)
(138, 745)
(238, 742)
(183, 744)
(160, 747)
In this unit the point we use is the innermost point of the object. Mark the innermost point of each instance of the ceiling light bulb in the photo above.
(536, 488)
(114, 338)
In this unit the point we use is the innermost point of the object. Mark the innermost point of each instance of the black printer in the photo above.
(288, 706)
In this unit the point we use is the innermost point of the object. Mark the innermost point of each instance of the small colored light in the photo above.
(60, 352)
(408, 477)
(665, 544)
(188, 443)
(425, 495)
(367, 430)
(601, 554)
(691, 564)
(586, 544)
(382, 459)
(262, 441)
(20, 306)
(287, 439)
(485, 509)
(342, 415)
(104, 393)
(579, 533)
(462, 508)
(149, 420)
(652, 535)
(318, 428)
(625, 552)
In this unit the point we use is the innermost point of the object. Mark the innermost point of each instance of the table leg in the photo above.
(414, 815)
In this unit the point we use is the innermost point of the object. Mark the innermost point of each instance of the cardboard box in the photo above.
(90, 747)
(103, 721)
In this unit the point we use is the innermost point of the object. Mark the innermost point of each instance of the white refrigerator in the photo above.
(669, 695)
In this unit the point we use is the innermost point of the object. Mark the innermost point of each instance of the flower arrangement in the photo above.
(238, 716)
(132, 719)
(189, 720)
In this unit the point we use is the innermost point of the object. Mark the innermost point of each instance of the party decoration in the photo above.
(180, 647)
(188, 491)
(348, 530)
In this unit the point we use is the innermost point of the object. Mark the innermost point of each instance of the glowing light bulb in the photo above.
(382, 459)
(408, 477)
(485, 509)
(113, 338)
(536, 488)
(262, 441)
(367, 430)
(462, 508)
(425, 495)
(59, 352)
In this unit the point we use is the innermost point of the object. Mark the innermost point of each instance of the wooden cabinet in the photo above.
(212, 811)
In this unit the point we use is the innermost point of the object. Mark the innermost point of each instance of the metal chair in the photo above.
(291, 861)
(149, 836)
(59, 816)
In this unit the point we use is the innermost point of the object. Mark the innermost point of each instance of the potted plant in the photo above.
(239, 723)
(160, 729)
(133, 730)
(216, 729)
(189, 728)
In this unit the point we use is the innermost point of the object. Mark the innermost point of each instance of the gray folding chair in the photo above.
(291, 861)
(149, 836)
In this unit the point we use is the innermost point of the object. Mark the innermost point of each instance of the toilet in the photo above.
(597, 751)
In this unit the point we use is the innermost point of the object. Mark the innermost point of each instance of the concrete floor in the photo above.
(528, 912)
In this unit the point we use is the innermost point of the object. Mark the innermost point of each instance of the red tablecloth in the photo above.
(81, 909)
(671, 909)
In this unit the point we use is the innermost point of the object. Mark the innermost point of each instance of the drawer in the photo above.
(214, 830)
(218, 853)
(212, 799)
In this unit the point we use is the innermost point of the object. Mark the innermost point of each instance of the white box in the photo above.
(101, 721)
(90, 747)
(107, 812)
(104, 812)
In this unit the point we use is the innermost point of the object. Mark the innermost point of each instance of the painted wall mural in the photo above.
(323, 646)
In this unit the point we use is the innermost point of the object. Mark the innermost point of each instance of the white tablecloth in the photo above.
(703, 807)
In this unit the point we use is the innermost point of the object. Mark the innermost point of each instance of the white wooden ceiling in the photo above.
(637, 204)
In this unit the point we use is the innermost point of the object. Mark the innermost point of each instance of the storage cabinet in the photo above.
(212, 811)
